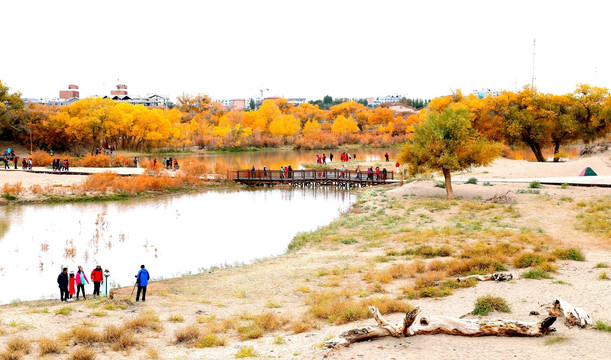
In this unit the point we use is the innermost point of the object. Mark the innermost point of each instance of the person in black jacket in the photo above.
(62, 280)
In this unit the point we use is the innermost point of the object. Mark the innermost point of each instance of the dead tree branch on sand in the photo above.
(573, 315)
(440, 325)
(499, 276)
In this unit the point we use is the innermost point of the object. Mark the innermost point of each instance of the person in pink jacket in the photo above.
(81, 278)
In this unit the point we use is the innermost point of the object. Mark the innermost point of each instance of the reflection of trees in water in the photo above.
(273, 159)
(4, 227)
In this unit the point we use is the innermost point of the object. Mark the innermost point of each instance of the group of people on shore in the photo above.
(71, 283)
(344, 157)
(9, 155)
(59, 165)
(169, 163)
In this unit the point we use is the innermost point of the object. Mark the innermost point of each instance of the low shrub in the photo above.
(536, 273)
(601, 265)
(535, 184)
(250, 331)
(603, 276)
(471, 181)
(246, 351)
(569, 254)
(528, 259)
(95, 161)
(176, 318)
(602, 326)
(64, 310)
(488, 303)
(210, 340)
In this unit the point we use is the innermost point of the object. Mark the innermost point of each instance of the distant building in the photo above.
(234, 104)
(151, 100)
(72, 92)
(296, 101)
(375, 102)
(483, 93)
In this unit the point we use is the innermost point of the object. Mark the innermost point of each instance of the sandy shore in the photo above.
(283, 285)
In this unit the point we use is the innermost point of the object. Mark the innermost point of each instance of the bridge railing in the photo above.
(308, 175)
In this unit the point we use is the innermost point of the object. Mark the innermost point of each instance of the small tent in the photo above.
(587, 172)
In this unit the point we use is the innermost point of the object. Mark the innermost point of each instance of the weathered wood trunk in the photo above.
(499, 276)
(448, 182)
(574, 315)
(441, 325)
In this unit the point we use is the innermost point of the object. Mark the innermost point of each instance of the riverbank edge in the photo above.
(292, 246)
(84, 198)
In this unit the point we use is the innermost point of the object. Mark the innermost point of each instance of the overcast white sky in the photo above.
(231, 48)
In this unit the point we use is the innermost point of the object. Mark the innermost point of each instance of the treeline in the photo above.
(536, 120)
(526, 118)
(197, 121)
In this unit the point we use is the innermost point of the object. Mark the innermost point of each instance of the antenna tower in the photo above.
(532, 83)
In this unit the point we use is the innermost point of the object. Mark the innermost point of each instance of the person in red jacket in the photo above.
(97, 277)
(71, 282)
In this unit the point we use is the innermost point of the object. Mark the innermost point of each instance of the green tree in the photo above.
(11, 107)
(447, 142)
(588, 111)
(327, 100)
(252, 104)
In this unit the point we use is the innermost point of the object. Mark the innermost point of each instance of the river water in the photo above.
(172, 236)
(273, 159)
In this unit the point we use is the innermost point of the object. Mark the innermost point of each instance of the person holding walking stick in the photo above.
(142, 281)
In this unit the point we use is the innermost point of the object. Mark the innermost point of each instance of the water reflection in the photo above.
(273, 159)
(171, 235)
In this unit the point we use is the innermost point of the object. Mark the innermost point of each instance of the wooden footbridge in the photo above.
(348, 178)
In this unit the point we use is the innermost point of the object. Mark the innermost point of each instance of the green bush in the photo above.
(569, 254)
(528, 259)
(488, 303)
(471, 181)
(535, 184)
(440, 185)
(536, 274)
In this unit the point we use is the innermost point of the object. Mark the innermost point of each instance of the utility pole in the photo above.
(532, 83)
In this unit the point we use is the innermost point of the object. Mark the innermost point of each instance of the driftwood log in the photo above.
(499, 276)
(440, 325)
(573, 315)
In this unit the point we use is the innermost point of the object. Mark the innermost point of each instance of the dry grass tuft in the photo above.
(126, 340)
(210, 340)
(49, 346)
(146, 320)
(188, 334)
(84, 335)
(82, 353)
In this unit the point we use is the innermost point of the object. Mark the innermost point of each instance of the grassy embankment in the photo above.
(387, 249)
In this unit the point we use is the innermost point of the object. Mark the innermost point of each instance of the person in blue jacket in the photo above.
(142, 281)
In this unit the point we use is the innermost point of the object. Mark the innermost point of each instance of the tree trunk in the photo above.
(536, 148)
(441, 325)
(448, 179)
(556, 150)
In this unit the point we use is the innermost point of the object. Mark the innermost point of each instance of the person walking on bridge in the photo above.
(142, 280)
